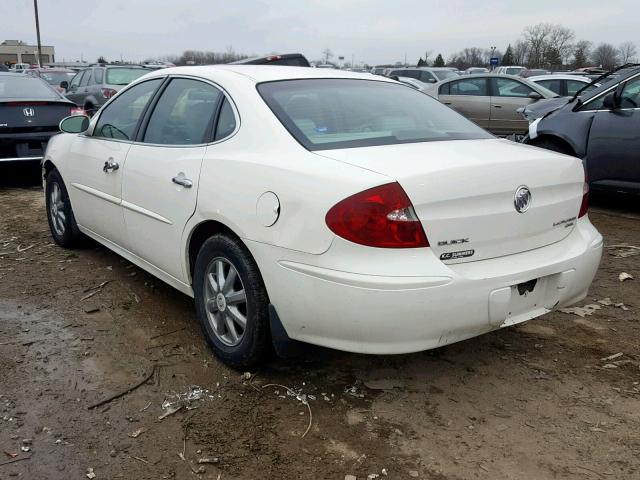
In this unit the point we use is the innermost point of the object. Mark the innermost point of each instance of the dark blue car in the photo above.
(601, 126)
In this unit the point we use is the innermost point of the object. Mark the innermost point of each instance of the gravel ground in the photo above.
(535, 401)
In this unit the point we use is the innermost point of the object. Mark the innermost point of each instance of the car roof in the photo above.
(265, 73)
(11, 74)
(420, 68)
(560, 76)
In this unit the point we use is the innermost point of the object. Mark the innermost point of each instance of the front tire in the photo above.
(231, 302)
(62, 222)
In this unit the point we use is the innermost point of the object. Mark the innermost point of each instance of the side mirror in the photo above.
(535, 96)
(75, 124)
(64, 84)
(432, 80)
(611, 101)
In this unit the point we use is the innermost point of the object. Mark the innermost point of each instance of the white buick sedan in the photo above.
(328, 207)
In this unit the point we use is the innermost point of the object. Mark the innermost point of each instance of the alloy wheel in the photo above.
(225, 301)
(56, 210)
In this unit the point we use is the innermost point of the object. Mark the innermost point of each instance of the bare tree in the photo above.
(327, 54)
(560, 41)
(520, 52)
(605, 55)
(537, 38)
(627, 52)
(469, 57)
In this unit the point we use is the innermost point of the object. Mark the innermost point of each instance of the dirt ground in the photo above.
(537, 401)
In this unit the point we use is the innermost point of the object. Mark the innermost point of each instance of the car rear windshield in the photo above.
(326, 114)
(123, 76)
(444, 74)
(25, 87)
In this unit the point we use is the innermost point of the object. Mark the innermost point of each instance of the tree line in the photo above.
(545, 45)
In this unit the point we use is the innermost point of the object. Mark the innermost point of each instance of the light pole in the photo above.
(35, 7)
(493, 51)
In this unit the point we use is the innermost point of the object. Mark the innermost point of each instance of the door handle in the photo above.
(497, 106)
(180, 179)
(110, 166)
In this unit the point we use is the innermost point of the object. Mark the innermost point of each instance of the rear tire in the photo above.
(62, 222)
(231, 302)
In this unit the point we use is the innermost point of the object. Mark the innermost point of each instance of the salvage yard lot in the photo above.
(76, 327)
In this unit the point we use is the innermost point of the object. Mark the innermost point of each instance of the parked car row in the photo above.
(490, 100)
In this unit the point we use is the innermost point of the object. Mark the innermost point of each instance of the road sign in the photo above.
(494, 61)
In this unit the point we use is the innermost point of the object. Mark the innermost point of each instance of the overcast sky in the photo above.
(373, 31)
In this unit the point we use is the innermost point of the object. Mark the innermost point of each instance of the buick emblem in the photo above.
(522, 199)
(28, 112)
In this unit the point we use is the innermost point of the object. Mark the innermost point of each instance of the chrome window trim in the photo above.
(226, 94)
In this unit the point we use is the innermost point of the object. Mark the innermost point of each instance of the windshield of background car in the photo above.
(123, 76)
(343, 113)
(444, 74)
(25, 87)
(54, 78)
(513, 71)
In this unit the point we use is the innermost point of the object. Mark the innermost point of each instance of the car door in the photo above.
(162, 171)
(613, 151)
(83, 88)
(72, 92)
(93, 168)
(469, 96)
(507, 96)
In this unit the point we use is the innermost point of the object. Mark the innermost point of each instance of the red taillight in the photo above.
(77, 111)
(379, 217)
(108, 92)
(584, 206)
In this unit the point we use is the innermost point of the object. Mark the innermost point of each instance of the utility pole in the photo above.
(35, 7)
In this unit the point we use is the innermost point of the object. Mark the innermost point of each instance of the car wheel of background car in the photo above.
(231, 301)
(62, 222)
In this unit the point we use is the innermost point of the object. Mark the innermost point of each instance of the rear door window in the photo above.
(183, 114)
(505, 87)
(471, 86)
(554, 85)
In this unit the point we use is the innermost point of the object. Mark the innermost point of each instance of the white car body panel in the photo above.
(327, 290)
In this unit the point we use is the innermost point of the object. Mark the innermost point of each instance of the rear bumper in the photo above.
(402, 312)
(24, 146)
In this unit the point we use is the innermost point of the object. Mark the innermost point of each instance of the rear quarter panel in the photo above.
(263, 157)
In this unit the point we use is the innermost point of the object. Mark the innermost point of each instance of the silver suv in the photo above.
(424, 74)
(92, 87)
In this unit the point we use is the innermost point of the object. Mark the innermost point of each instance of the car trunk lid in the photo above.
(18, 116)
(463, 193)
